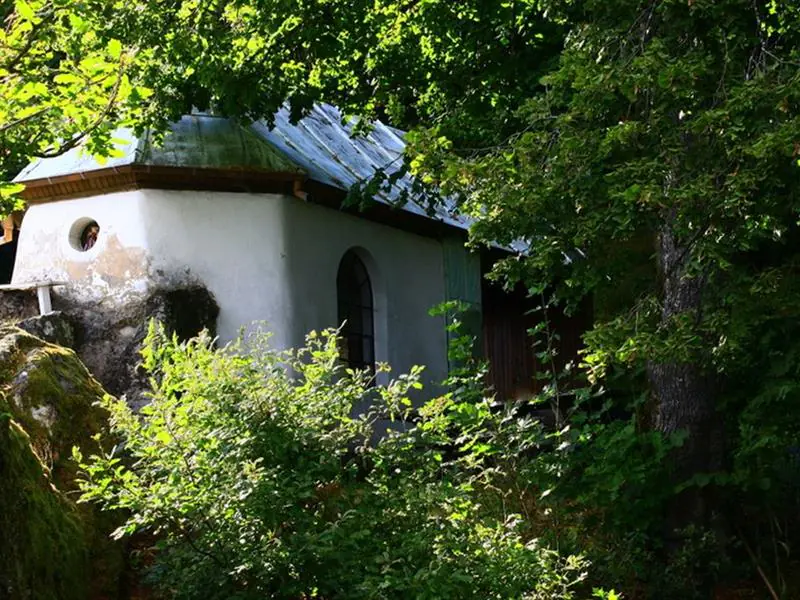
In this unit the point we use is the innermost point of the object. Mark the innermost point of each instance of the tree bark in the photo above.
(684, 394)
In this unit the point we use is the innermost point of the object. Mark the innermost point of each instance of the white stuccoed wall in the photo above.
(233, 243)
(113, 271)
(264, 257)
(407, 276)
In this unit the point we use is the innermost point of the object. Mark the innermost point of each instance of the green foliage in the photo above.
(408, 59)
(660, 158)
(260, 478)
(70, 72)
(65, 79)
(591, 130)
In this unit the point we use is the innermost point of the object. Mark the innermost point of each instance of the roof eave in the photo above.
(129, 177)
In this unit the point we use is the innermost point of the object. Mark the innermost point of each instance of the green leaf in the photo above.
(8, 188)
(24, 10)
(114, 48)
(67, 78)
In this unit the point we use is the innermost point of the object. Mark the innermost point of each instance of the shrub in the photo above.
(259, 478)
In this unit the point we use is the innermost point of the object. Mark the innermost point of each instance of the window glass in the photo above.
(354, 293)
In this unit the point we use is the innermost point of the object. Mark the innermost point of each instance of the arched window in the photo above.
(356, 308)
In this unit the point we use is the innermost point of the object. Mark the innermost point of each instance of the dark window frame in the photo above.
(356, 311)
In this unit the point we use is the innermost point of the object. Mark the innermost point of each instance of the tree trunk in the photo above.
(684, 395)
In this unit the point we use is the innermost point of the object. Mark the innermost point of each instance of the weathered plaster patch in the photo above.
(120, 262)
(117, 272)
(77, 271)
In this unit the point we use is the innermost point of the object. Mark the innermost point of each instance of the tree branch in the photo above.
(77, 139)
(12, 124)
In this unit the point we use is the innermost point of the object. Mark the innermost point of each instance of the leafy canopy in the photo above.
(65, 79)
(74, 71)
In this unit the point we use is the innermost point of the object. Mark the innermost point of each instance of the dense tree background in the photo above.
(647, 151)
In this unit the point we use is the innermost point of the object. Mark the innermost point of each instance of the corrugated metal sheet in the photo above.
(327, 150)
(77, 161)
(462, 271)
(320, 145)
(208, 141)
(462, 274)
(201, 141)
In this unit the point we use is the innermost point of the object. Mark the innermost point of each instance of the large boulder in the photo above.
(51, 395)
(50, 548)
(107, 332)
(110, 336)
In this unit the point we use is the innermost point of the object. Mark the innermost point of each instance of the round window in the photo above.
(83, 234)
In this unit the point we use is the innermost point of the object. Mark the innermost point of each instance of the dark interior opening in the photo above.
(8, 254)
(89, 235)
(354, 295)
(508, 317)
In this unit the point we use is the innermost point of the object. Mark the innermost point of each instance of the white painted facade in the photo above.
(265, 258)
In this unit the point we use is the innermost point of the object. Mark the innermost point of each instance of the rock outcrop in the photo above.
(107, 335)
(50, 548)
(55, 327)
(109, 339)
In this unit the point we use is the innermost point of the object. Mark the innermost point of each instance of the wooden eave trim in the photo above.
(132, 177)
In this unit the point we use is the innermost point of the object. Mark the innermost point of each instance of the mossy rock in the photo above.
(52, 395)
(43, 543)
(49, 546)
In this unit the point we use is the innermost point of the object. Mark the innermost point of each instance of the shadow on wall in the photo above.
(405, 275)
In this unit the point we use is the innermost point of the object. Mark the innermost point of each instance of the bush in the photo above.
(260, 481)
